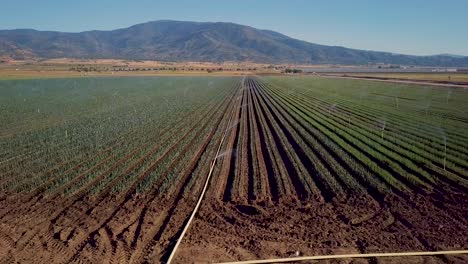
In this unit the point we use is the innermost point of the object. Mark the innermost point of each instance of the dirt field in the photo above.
(279, 187)
(454, 76)
(66, 67)
(441, 79)
(227, 231)
(29, 74)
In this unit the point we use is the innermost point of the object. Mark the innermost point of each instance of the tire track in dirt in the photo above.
(6, 244)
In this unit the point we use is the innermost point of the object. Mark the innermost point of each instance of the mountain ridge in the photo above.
(170, 40)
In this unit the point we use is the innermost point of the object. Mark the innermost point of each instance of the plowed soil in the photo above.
(228, 231)
(274, 193)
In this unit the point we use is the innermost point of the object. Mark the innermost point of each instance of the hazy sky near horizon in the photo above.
(419, 27)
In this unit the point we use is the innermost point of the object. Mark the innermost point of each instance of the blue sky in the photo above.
(410, 27)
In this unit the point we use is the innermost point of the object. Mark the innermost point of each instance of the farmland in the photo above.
(109, 169)
(454, 77)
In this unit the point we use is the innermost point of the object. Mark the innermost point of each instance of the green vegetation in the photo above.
(295, 134)
(377, 135)
(292, 70)
(66, 134)
(440, 77)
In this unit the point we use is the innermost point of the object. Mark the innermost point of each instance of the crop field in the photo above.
(108, 170)
(438, 77)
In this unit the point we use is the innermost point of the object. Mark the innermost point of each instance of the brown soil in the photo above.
(258, 206)
(228, 231)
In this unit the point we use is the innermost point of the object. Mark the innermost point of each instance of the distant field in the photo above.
(109, 169)
(11, 74)
(453, 77)
(60, 68)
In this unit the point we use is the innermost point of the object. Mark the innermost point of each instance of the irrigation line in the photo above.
(202, 194)
(370, 255)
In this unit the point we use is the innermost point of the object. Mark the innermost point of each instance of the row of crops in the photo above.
(105, 157)
(316, 137)
(63, 134)
(110, 168)
(296, 135)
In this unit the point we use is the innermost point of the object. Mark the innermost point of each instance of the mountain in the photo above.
(452, 55)
(196, 41)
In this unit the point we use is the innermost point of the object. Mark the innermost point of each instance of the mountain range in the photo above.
(167, 40)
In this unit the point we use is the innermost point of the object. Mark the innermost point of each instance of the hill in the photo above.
(197, 41)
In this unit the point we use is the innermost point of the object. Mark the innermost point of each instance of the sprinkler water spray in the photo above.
(383, 129)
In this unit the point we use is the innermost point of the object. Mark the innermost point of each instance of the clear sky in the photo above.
(420, 27)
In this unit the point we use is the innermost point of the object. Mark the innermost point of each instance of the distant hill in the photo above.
(195, 41)
(452, 55)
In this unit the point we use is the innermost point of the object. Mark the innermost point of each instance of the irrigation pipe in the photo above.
(370, 255)
(202, 194)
